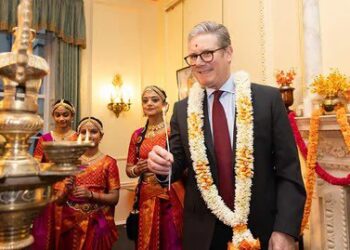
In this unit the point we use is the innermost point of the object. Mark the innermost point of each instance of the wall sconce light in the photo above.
(118, 96)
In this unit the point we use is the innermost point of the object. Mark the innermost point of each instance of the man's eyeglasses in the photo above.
(206, 56)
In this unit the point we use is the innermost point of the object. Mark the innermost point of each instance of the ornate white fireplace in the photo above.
(330, 216)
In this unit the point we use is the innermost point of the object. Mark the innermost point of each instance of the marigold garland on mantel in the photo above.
(322, 173)
(312, 154)
(310, 164)
(343, 124)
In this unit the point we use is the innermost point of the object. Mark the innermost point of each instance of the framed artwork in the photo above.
(185, 80)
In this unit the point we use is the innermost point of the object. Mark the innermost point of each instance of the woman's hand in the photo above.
(82, 192)
(61, 195)
(141, 167)
(69, 183)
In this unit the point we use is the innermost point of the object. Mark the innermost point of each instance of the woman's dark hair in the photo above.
(140, 139)
(67, 104)
(65, 101)
(92, 118)
(158, 90)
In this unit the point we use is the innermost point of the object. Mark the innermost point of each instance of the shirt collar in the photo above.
(229, 86)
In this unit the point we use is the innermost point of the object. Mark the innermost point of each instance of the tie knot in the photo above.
(217, 94)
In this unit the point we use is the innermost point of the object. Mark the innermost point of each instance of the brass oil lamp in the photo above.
(25, 184)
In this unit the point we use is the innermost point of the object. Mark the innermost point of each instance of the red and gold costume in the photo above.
(160, 210)
(44, 225)
(84, 224)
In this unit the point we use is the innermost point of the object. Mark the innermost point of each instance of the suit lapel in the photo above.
(208, 138)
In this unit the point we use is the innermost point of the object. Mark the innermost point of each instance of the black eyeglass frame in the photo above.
(211, 52)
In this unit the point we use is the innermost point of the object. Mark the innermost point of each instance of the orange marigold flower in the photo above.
(240, 228)
(283, 78)
(311, 164)
(245, 245)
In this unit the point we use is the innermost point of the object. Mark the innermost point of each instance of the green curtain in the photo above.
(65, 18)
(67, 75)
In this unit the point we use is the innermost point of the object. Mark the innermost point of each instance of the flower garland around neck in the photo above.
(244, 168)
(312, 154)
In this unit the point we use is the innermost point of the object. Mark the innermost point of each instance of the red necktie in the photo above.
(223, 151)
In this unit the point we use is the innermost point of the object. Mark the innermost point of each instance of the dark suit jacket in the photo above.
(278, 193)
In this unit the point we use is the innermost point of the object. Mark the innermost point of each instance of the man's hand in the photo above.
(160, 160)
(281, 241)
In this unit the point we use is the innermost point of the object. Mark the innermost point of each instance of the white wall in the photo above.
(265, 35)
(335, 22)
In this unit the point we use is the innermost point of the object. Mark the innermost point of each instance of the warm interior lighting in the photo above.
(120, 96)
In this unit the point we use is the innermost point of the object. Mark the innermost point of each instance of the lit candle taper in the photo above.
(87, 136)
(164, 109)
(79, 139)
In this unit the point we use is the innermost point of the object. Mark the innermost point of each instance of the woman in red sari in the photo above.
(160, 210)
(88, 200)
(44, 225)
(63, 113)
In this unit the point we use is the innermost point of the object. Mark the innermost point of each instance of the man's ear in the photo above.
(229, 53)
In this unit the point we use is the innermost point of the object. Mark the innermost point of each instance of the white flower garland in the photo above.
(244, 168)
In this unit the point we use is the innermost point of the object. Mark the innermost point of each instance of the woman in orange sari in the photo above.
(88, 200)
(44, 225)
(160, 210)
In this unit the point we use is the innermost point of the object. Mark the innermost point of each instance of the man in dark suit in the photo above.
(277, 190)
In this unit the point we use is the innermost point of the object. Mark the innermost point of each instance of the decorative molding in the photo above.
(169, 5)
(262, 39)
(344, 218)
(331, 146)
(120, 222)
(121, 158)
(266, 41)
(128, 185)
(329, 211)
(327, 122)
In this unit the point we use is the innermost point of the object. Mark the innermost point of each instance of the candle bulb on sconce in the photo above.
(117, 104)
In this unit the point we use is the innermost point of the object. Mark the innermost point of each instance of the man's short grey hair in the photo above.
(209, 27)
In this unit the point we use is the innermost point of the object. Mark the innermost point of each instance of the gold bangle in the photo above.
(132, 171)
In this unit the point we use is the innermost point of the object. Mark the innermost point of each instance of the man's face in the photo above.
(215, 73)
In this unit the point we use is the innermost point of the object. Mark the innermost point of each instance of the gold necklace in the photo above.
(153, 129)
(88, 160)
(62, 137)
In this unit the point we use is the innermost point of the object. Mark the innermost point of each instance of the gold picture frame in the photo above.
(185, 80)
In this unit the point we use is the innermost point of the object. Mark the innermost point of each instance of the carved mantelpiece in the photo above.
(330, 214)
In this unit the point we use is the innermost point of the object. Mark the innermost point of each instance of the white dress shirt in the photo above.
(227, 100)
